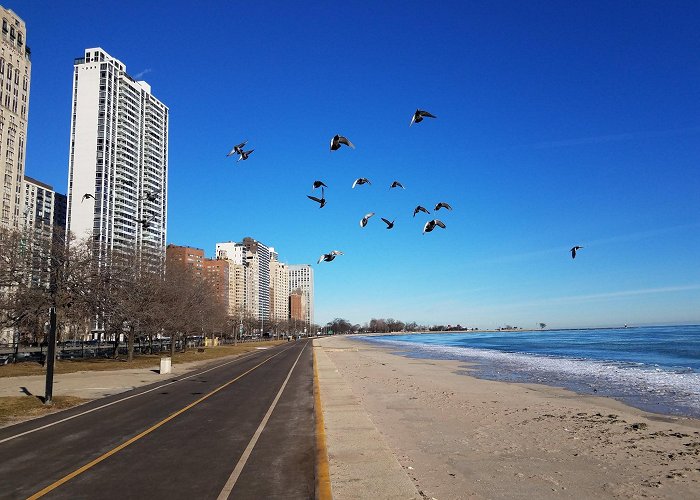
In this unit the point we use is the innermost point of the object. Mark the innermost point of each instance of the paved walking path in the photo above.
(93, 384)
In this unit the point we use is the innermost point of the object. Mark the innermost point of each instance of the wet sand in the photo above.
(457, 436)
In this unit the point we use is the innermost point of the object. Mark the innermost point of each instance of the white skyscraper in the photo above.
(301, 277)
(119, 157)
(15, 74)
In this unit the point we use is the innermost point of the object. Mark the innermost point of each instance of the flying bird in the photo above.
(318, 184)
(419, 209)
(389, 224)
(442, 204)
(573, 251)
(419, 115)
(243, 155)
(430, 225)
(146, 221)
(86, 196)
(338, 140)
(237, 149)
(365, 219)
(321, 201)
(360, 181)
(396, 184)
(150, 196)
(327, 257)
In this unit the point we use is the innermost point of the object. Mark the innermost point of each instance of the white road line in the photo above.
(118, 401)
(226, 491)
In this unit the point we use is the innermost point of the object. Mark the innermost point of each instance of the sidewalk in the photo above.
(361, 464)
(92, 384)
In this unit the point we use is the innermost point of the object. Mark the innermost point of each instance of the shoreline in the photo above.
(458, 436)
(637, 386)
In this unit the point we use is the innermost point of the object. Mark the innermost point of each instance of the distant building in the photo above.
(38, 214)
(243, 280)
(60, 205)
(185, 256)
(15, 77)
(301, 277)
(118, 160)
(297, 312)
(279, 288)
(251, 276)
(216, 273)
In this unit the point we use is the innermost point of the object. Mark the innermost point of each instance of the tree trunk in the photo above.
(130, 344)
(184, 343)
(172, 346)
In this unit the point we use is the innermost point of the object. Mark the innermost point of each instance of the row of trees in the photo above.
(129, 297)
(381, 325)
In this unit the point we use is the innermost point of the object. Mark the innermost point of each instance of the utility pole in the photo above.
(50, 356)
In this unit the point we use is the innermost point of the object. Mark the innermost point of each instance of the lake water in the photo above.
(654, 368)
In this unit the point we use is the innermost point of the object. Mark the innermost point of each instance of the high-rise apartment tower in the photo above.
(15, 73)
(118, 165)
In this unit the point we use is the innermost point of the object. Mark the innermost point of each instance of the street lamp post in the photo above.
(50, 356)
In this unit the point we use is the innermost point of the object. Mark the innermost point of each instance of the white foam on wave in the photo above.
(628, 378)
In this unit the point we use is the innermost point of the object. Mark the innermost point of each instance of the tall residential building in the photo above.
(38, 221)
(301, 277)
(253, 275)
(15, 75)
(60, 205)
(216, 273)
(243, 281)
(118, 164)
(279, 288)
(297, 315)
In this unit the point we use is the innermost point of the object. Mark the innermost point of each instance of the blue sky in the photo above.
(557, 125)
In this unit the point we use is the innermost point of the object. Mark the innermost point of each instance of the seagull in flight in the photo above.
(327, 257)
(321, 201)
(243, 155)
(365, 219)
(573, 251)
(396, 184)
(442, 204)
(146, 221)
(430, 225)
(419, 115)
(150, 196)
(360, 181)
(237, 149)
(86, 196)
(318, 184)
(338, 140)
(389, 224)
(419, 209)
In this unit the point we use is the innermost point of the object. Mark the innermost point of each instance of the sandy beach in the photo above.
(457, 436)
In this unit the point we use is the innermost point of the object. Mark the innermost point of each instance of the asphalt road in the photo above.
(239, 429)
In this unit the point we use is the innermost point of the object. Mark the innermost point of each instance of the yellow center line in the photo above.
(99, 459)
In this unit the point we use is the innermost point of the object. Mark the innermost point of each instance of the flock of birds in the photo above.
(336, 143)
